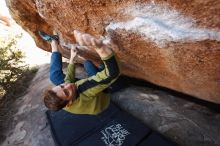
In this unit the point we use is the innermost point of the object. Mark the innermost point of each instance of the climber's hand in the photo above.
(85, 39)
(89, 40)
(73, 54)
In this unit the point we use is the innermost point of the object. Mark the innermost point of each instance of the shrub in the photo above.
(11, 64)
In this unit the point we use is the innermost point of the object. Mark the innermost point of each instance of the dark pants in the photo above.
(90, 68)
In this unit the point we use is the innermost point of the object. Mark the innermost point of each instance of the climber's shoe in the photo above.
(48, 37)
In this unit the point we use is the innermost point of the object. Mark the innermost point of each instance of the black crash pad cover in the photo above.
(113, 127)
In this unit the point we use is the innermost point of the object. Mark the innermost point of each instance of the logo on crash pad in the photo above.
(114, 135)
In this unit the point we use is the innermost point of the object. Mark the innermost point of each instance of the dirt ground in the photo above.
(17, 90)
(188, 122)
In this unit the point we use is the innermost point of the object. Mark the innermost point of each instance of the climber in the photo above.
(56, 73)
(85, 96)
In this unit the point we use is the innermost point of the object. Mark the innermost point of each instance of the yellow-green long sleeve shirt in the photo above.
(90, 96)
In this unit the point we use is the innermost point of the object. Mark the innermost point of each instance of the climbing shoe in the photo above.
(48, 37)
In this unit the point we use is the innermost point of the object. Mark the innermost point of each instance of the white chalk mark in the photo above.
(40, 8)
(105, 40)
(162, 25)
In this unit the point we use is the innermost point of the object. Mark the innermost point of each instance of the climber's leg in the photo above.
(90, 68)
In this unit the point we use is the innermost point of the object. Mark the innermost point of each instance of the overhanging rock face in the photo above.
(175, 44)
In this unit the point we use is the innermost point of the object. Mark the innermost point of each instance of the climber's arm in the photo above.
(70, 74)
(103, 79)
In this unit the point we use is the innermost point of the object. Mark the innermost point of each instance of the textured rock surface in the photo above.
(175, 44)
(187, 123)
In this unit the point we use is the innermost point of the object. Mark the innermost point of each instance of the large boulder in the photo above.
(175, 44)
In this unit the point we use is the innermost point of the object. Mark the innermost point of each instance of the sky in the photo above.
(34, 55)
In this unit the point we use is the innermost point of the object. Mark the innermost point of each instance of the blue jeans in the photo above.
(56, 73)
(90, 68)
